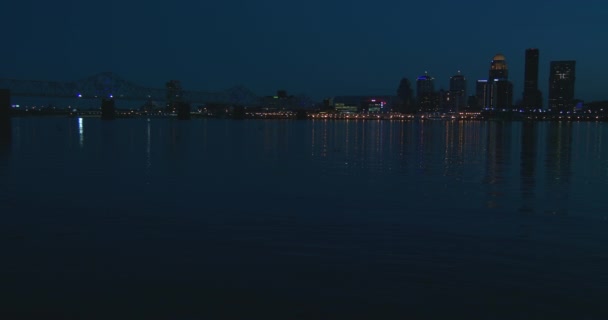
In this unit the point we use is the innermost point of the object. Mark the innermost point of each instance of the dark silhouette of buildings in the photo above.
(326, 105)
(561, 85)
(282, 101)
(457, 96)
(532, 97)
(108, 109)
(282, 94)
(406, 97)
(472, 104)
(444, 100)
(174, 95)
(148, 107)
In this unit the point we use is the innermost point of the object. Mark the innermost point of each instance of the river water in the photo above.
(216, 219)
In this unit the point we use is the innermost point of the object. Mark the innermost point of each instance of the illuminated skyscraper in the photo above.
(499, 89)
(561, 85)
(532, 97)
(498, 68)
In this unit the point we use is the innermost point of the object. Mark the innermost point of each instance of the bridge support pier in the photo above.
(108, 109)
(5, 103)
(5, 116)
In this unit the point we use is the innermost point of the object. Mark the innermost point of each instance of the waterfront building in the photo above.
(532, 97)
(457, 96)
(425, 93)
(444, 100)
(498, 68)
(502, 94)
(499, 89)
(365, 104)
(342, 107)
(472, 104)
(374, 105)
(561, 85)
(405, 95)
(425, 85)
(481, 93)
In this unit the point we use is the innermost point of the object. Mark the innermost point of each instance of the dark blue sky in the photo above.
(320, 48)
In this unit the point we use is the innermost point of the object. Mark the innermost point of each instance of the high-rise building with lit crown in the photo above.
(561, 85)
(499, 89)
(532, 97)
(498, 68)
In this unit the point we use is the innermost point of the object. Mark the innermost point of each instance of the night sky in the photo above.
(319, 48)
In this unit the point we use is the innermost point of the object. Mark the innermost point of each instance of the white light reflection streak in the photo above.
(81, 132)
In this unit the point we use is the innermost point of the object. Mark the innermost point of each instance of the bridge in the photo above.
(111, 85)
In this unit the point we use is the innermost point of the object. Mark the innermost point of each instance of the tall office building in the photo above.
(425, 93)
(424, 85)
(458, 92)
(498, 68)
(561, 85)
(481, 93)
(500, 89)
(532, 97)
(502, 94)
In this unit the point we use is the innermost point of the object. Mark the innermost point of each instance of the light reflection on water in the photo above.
(81, 131)
(353, 217)
(483, 161)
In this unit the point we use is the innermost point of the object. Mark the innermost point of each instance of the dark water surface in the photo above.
(214, 219)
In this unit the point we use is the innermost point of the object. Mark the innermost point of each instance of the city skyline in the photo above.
(500, 92)
(319, 49)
